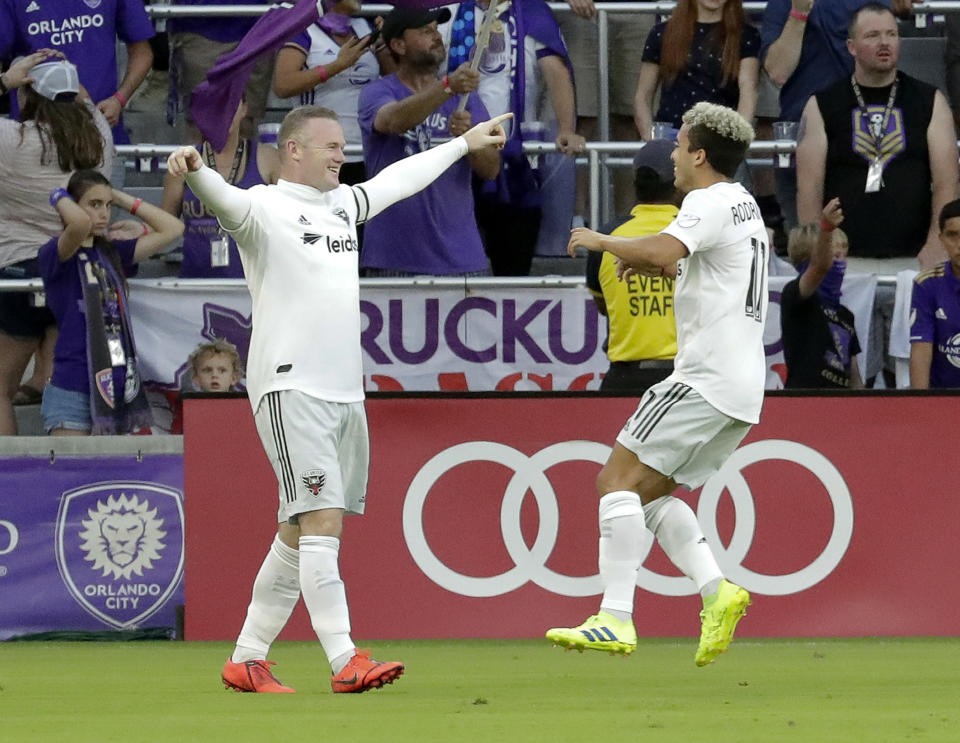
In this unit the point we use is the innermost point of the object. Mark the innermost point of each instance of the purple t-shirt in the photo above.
(86, 32)
(434, 231)
(224, 29)
(935, 318)
(201, 228)
(61, 282)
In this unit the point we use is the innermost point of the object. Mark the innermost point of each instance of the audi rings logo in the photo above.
(530, 562)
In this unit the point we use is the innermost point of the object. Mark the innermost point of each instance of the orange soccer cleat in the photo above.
(254, 676)
(362, 673)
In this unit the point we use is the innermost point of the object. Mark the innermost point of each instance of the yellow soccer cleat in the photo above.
(600, 632)
(718, 622)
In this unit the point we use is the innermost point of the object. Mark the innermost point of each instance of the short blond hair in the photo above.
(219, 345)
(293, 122)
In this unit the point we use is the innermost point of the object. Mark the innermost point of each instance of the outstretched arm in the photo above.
(414, 173)
(640, 253)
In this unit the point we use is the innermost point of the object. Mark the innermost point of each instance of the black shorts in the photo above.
(18, 317)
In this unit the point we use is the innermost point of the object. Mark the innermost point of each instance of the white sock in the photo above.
(620, 553)
(276, 591)
(674, 524)
(325, 597)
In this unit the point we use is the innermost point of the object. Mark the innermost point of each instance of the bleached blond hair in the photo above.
(721, 120)
(722, 133)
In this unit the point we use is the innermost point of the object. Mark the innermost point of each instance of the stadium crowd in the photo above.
(875, 149)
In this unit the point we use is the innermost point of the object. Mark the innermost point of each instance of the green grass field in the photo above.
(482, 690)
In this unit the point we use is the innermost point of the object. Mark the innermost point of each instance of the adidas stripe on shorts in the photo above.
(679, 434)
(319, 450)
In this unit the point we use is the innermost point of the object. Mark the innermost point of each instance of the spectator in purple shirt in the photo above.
(86, 33)
(434, 231)
(96, 386)
(935, 313)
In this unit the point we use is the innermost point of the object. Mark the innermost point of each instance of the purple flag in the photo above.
(215, 100)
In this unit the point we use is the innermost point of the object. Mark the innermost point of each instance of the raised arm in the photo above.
(165, 228)
(76, 224)
(811, 162)
(821, 258)
(397, 117)
(229, 203)
(414, 173)
(783, 55)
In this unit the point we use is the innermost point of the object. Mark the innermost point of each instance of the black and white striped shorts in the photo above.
(679, 434)
(319, 450)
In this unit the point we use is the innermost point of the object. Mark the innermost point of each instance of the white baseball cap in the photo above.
(55, 79)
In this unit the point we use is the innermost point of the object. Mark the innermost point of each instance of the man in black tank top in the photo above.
(884, 143)
(881, 141)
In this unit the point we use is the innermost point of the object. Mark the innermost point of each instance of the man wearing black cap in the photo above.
(641, 331)
(406, 113)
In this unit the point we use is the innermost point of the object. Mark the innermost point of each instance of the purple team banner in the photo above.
(90, 543)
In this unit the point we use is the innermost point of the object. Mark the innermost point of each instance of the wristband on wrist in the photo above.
(446, 85)
(321, 73)
(57, 194)
(135, 205)
(146, 229)
(827, 226)
(120, 97)
(3, 86)
(799, 16)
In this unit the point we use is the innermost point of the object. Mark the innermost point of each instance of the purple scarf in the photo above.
(118, 403)
(215, 100)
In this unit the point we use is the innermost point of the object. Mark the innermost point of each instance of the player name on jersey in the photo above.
(744, 211)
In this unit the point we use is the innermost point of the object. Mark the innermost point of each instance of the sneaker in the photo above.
(253, 675)
(362, 673)
(600, 632)
(719, 621)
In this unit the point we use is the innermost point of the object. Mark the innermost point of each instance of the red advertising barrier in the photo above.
(838, 513)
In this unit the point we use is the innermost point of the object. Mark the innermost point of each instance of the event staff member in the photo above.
(298, 244)
(641, 330)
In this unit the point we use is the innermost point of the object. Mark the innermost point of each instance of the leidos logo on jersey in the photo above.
(119, 548)
(340, 244)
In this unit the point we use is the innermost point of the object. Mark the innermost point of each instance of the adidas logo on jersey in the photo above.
(33, 7)
(941, 315)
(304, 221)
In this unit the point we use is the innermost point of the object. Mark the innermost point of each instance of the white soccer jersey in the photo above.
(720, 299)
(299, 251)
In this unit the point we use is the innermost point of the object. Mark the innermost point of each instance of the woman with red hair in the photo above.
(706, 52)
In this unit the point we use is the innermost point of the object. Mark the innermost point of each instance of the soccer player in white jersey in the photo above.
(689, 424)
(298, 245)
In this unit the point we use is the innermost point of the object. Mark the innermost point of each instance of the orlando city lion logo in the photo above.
(313, 480)
(119, 549)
